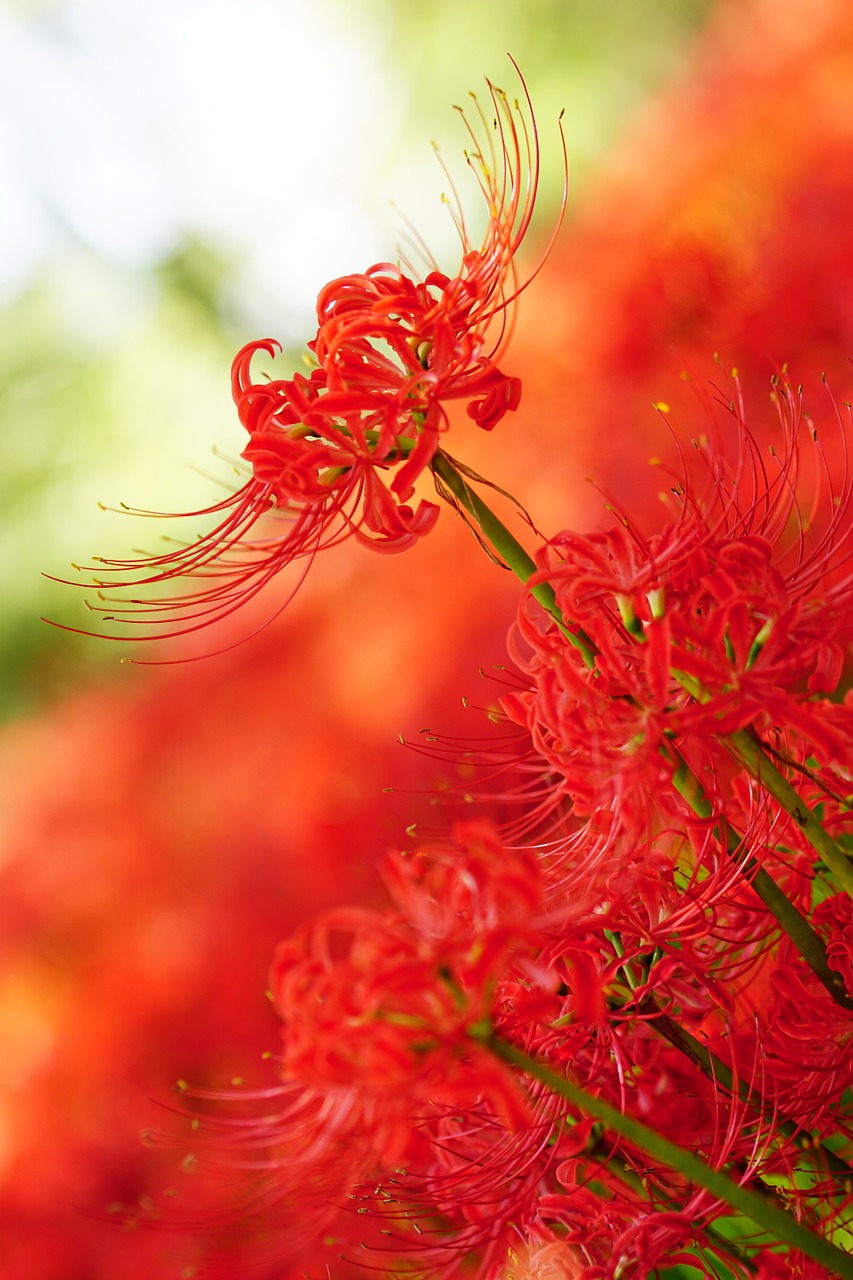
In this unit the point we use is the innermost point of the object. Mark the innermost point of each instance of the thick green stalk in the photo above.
(762, 1212)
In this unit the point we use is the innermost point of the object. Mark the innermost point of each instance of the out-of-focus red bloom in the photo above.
(555, 1260)
(147, 878)
(787, 1266)
(391, 1000)
(735, 246)
(383, 1073)
(337, 454)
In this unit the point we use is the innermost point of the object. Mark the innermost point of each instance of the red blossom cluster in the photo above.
(624, 936)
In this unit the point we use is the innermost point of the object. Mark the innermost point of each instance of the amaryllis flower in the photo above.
(338, 453)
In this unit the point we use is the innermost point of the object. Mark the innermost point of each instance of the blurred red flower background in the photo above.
(164, 828)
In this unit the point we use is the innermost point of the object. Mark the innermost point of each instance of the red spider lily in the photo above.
(382, 1069)
(390, 1000)
(388, 1105)
(808, 1039)
(745, 598)
(337, 454)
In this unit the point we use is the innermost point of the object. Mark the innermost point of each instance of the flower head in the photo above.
(393, 999)
(337, 453)
(736, 613)
(388, 1098)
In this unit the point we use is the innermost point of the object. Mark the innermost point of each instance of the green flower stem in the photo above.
(786, 915)
(761, 1211)
(511, 551)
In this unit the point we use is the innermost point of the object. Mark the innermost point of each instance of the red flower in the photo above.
(808, 1039)
(389, 1000)
(736, 613)
(337, 454)
(787, 1266)
(383, 1074)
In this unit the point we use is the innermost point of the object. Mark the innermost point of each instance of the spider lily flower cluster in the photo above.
(612, 1035)
(338, 453)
